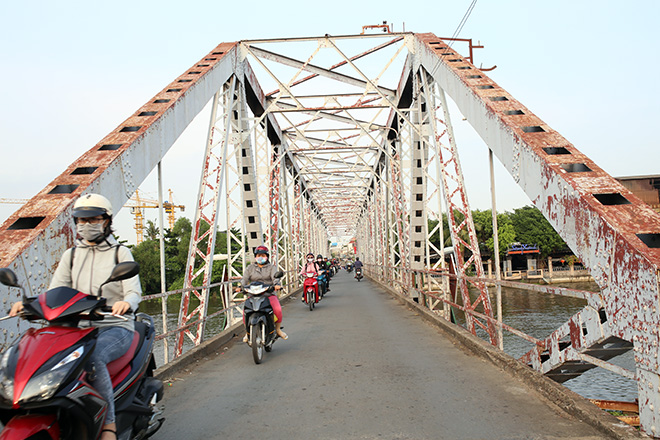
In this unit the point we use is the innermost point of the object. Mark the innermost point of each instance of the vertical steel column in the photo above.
(462, 229)
(202, 241)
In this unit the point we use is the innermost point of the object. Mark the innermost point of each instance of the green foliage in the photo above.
(177, 242)
(532, 228)
(525, 225)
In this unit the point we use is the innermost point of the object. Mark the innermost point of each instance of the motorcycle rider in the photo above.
(309, 266)
(263, 270)
(323, 266)
(84, 268)
(357, 265)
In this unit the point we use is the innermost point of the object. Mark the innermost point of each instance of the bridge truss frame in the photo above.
(371, 174)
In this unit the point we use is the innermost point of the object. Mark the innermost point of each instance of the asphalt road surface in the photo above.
(360, 366)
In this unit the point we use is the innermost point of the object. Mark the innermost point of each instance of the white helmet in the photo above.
(92, 205)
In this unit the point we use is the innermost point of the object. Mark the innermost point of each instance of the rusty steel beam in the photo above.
(34, 237)
(612, 231)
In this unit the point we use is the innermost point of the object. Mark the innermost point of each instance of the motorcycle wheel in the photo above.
(257, 342)
(310, 301)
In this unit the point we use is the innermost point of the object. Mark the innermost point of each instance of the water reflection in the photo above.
(154, 308)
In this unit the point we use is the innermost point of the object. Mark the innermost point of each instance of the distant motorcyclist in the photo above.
(264, 271)
(358, 266)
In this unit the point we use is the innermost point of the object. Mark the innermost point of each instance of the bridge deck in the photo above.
(359, 366)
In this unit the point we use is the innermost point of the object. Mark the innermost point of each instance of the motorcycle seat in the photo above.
(119, 368)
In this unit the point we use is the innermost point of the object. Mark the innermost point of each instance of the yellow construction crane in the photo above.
(138, 204)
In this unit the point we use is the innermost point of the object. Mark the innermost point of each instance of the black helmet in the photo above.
(319, 257)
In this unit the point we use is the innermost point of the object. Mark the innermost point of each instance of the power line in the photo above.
(463, 21)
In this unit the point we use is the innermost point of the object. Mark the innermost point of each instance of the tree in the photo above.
(532, 228)
(151, 232)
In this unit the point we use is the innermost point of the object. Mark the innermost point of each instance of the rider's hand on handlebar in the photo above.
(277, 287)
(120, 307)
(16, 308)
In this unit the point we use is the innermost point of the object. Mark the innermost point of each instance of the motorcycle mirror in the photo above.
(122, 271)
(278, 274)
(8, 278)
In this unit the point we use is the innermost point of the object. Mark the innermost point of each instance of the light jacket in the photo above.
(91, 266)
(265, 273)
(310, 267)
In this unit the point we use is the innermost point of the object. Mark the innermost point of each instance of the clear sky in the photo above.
(74, 70)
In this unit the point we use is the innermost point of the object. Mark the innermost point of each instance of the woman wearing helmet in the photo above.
(264, 271)
(310, 265)
(85, 267)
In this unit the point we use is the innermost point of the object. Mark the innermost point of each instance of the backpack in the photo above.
(73, 252)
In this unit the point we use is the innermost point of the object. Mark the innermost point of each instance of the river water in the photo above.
(537, 314)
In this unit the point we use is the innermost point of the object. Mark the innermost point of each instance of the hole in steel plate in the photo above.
(130, 129)
(203, 65)
(161, 101)
(455, 60)
(210, 59)
(499, 98)
(26, 223)
(533, 129)
(474, 76)
(194, 73)
(650, 240)
(514, 112)
(485, 87)
(556, 150)
(445, 53)
(185, 80)
(87, 170)
(217, 53)
(148, 114)
(173, 90)
(110, 147)
(63, 189)
(464, 68)
(611, 199)
(575, 167)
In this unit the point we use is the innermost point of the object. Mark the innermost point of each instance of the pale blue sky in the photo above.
(73, 70)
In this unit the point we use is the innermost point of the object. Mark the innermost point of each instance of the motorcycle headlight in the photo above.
(44, 385)
(6, 379)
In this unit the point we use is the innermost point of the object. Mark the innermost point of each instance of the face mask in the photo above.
(90, 232)
(261, 260)
(310, 259)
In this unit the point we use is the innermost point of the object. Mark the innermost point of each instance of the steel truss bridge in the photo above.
(351, 136)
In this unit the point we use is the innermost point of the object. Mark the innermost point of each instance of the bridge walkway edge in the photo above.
(554, 393)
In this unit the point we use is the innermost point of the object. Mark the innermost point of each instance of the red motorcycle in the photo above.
(311, 290)
(44, 376)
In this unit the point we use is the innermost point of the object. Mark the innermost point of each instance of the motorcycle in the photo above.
(358, 273)
(349, 268)
(311, 290)
(259, 318)
(45, 391)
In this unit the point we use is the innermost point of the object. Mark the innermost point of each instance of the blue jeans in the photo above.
(112, 343)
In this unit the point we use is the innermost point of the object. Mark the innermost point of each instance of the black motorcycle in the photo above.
(358, 273)
(259, 318)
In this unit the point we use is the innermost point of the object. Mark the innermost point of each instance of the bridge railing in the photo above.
(432, 290)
